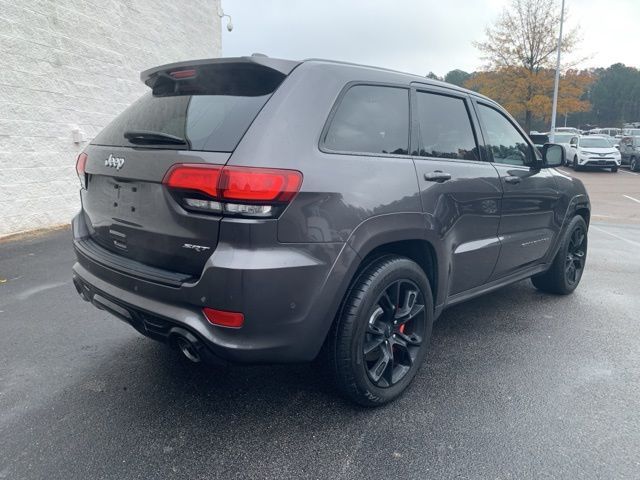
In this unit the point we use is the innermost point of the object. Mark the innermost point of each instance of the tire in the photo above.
(371, 317)
(614, 169)
(634, 165)
(576, 167)
(561, 279)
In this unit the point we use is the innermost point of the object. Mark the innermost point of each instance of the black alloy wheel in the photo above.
(394, 333)
(381, 335)
(576, 255)
(568, 265)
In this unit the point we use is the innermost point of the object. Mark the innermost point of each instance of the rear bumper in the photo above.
(148, 321)
(288, 293)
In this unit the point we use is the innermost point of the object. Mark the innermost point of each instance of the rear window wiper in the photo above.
(151, 138)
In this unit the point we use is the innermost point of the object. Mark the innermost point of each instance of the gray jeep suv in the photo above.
(259, 210)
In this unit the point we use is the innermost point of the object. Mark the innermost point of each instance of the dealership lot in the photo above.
(615, 197)
(518, 384)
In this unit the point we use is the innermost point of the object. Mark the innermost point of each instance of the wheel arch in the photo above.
(585, 213)
(404, 234)
(420, 251)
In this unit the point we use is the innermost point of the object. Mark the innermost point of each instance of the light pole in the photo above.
(554, 108)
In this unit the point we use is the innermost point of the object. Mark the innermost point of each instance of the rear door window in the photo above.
(371, 119)
(445, 127)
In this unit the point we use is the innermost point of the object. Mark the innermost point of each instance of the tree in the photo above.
(573, 93)
(433, 76)
(457, 77)
(528, 94)
(520, 48)
(616, 95)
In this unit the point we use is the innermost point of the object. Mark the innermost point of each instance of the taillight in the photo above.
(259, 184)
(223, 318)
(242, 191)
(81, 164)
(201, 178)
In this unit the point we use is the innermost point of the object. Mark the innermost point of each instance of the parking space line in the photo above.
(627, 171)
(631, 198)
(637, 244)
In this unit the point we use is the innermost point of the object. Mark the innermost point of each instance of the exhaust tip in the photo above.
(187, 344)
(188, 349)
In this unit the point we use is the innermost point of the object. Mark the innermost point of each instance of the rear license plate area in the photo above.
(126, 197)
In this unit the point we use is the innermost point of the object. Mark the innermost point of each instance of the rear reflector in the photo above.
(81, 165)
(223, 319)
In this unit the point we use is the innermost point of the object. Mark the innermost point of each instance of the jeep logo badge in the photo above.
(115, 162)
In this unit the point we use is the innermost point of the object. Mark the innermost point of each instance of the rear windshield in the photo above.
(206, 122)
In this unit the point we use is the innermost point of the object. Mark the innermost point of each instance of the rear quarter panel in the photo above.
(339, 191)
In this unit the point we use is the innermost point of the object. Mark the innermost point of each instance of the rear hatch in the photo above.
(195, 113)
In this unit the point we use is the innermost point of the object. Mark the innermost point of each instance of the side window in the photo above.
(505, 142)
(371, 119)
(445, 128)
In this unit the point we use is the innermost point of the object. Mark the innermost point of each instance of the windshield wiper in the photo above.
(151, 138)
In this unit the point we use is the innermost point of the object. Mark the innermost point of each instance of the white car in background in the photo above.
(594, 151)
(565, 139)
(573, 130)
(611, 132)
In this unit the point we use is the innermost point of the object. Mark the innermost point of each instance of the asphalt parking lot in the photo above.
(517, 384)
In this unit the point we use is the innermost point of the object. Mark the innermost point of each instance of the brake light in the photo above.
(222, 318)
(245, 191)
(178, 74)
(81, 164)
(201, 178)
(259, 184)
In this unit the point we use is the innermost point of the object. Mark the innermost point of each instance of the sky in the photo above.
(415, 36)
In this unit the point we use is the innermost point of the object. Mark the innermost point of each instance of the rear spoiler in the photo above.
(256, 73)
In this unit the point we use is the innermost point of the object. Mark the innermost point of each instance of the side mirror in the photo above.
(617, 146)
(552, 155)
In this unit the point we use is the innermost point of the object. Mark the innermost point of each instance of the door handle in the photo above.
(437, 176)
(512, 179)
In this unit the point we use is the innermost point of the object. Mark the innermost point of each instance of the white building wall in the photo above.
(66, 63)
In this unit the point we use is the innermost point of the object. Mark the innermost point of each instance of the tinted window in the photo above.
(207, 122)
(371, 119)
(505, 142)
(445, 128)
